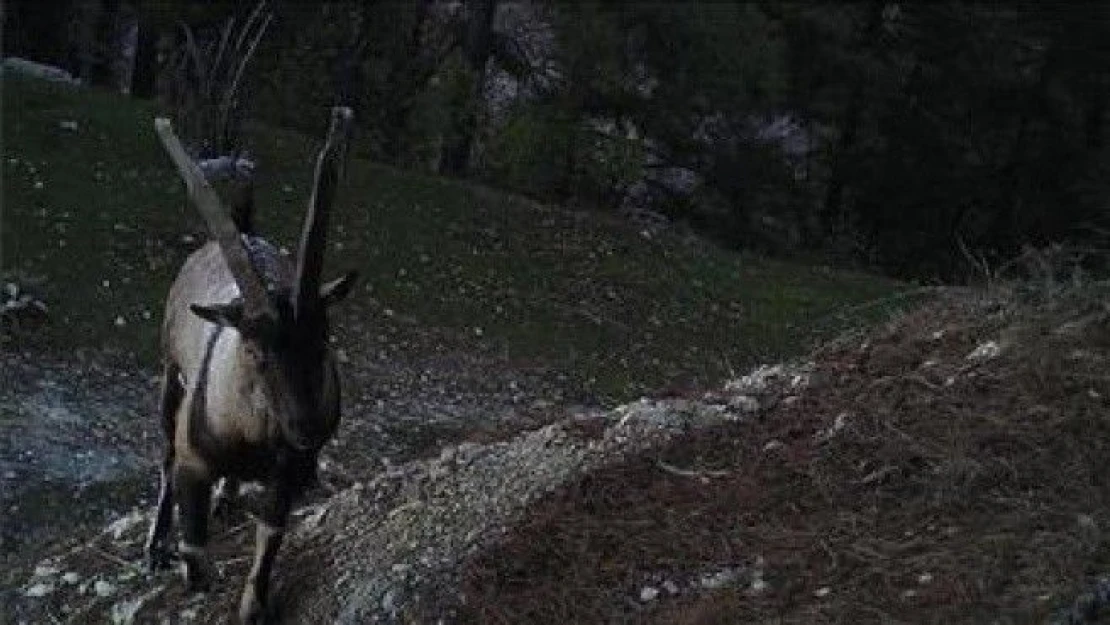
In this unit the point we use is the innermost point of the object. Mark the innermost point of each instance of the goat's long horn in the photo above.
(223, 229)
(310, 260)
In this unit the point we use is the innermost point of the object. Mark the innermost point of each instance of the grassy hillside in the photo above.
(98, 216)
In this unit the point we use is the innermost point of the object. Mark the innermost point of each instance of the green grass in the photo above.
(579, 293)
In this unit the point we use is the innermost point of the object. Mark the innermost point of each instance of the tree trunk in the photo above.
(406, 77)
(146, 61)
(832, 209)
(476, 50)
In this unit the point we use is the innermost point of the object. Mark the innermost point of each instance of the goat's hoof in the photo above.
(251, 610)
(222, 508)
(158, 558)
(198, 576)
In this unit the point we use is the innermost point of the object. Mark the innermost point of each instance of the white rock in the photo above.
(39, 70)
(68, 124)
(120, 526)
(647, 593)
(925, 578)
(103, 588)
(123, 613)
(838, 424)
(720, 579)
(71, 578)
(986, 351)
(120, 321)
(822, 592)
(744, 403)
(46, 569)
(389, 602)
(40, 589)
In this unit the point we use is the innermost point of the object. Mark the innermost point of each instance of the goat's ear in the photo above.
(335, 291)
(220, 314)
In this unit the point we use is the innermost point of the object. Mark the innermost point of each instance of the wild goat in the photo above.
(250, 389)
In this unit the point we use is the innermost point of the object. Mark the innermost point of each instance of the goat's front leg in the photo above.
(194, 489)
(268, 538)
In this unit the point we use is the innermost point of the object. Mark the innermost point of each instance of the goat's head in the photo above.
(284, 329)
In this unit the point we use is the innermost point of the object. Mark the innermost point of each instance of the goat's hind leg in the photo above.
(226, 498)
(194, 491)
(158, 551)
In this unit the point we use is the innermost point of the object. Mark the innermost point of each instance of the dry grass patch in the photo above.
(953, 490)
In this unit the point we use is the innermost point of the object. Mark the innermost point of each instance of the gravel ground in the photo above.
(385, 548)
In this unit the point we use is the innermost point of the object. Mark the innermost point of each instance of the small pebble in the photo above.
(39, 590)
(647, 593)
(103, 588)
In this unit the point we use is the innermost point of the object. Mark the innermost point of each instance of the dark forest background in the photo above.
(926, 140)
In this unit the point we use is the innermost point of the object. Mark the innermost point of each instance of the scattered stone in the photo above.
(670, 587)
(103, 588)
(46, 569)
(68, 125)
(720, 579)
(822, 592)
(987, 351)
(122, 525)
(744, 403)
(838, 424)
(389, 601)
(38, 590)
(648, 593)
(71, 578)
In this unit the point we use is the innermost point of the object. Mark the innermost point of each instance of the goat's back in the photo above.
(206, 280)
